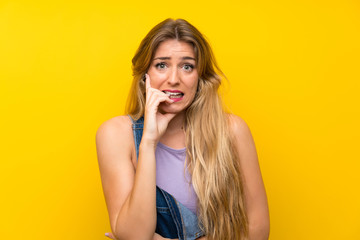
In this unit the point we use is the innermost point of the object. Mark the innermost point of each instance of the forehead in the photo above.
(174, 48)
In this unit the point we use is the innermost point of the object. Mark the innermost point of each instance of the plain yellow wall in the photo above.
(293, 70)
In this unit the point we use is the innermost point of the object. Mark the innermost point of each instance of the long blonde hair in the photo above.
(212, 158)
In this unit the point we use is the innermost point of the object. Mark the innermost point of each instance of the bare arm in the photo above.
(255, 195)
(128, 204)
(131, 196)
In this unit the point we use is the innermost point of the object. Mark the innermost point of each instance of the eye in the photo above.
(160, 65)
(188, 67)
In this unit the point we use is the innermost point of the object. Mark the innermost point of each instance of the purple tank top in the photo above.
(170, 175)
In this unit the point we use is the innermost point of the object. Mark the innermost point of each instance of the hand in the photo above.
(156, 236)
(155, 123)
(110, 235)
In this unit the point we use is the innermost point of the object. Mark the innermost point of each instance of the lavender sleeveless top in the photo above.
(171, 177)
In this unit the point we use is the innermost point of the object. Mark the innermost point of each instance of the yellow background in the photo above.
(293, 70)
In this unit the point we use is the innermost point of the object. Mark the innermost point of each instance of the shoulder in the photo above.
(242, 137)
(238, 126)
(115, 133)
(115, 124)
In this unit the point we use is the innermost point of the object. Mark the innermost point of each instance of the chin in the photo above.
(170, 109)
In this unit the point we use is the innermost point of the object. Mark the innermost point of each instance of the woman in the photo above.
(178, 166)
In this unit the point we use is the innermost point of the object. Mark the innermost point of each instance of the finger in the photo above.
(158, 94)
(156, 99)
(147, 81)
(147, 86)
(154, 94)
(110, 235)
(168, 100)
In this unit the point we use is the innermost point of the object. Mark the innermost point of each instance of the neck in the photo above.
(174, 136)
(176, 123)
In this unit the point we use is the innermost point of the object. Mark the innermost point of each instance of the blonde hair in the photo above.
(212, 158)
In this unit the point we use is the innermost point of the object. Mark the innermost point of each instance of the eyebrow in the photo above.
(168, 58)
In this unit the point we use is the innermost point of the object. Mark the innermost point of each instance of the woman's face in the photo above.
(173, 70)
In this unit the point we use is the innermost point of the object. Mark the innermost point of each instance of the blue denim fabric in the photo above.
(174, 220)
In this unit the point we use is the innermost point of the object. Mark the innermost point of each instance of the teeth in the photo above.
(172, 94)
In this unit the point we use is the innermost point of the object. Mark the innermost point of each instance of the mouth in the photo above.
(174, 94)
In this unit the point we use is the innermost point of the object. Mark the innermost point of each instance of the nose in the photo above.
(174, 77)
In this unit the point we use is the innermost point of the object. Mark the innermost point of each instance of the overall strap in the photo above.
(137, 126)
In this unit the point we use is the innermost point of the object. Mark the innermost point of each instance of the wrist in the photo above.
(147, 144)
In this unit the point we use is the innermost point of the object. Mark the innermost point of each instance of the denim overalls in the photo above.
(174, 220)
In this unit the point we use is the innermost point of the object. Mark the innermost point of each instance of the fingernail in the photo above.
(107, 234)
